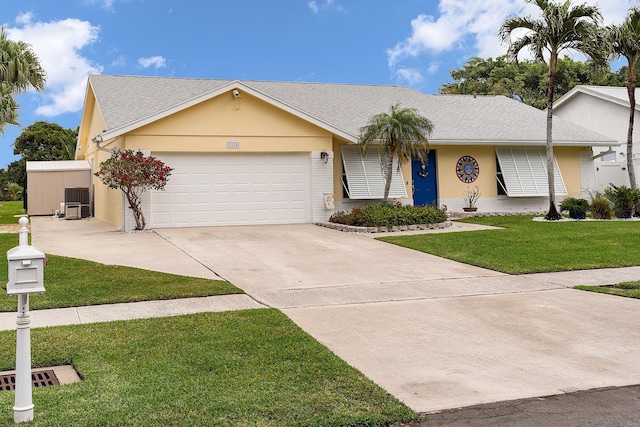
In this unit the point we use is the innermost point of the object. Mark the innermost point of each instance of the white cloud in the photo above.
(470, 27)
(153, 61)
(58, 45)
(120, 61)
(433, 68)
(24, 18)
(409, 75)
(317, 6)
(107, 4)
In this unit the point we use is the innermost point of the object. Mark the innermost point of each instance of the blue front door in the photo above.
(425, 183)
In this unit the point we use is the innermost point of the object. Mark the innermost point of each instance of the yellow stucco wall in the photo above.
(568, 159)
(257, 125)
(450, 186)
(107, 202)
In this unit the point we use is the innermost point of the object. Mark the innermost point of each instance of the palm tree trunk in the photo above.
(387, 184)
(631, 89)
(553, 214)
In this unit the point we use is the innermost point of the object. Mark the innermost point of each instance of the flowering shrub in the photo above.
(388, 215)
(134, 173)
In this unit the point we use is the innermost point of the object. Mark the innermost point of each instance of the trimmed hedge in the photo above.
(388, 215)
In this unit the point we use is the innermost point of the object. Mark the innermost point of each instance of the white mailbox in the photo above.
(26, 270)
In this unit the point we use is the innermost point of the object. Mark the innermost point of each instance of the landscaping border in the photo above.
(356, 229)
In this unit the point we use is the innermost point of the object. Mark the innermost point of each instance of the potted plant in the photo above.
(576, 207)
(471, 196)
(623, 198)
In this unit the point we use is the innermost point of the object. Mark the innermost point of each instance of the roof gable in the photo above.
(613, 94)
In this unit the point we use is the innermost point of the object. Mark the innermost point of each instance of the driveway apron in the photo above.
(435, 333)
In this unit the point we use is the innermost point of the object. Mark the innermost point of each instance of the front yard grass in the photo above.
(527, 246)
(624, 289)
(71, 282)
(8, 210)
(243, 368)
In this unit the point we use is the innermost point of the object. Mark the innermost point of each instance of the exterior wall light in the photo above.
(324, 156)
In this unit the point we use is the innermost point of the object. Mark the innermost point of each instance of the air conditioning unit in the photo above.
(76, 203)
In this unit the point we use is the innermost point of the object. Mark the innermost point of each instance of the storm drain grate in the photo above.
(38, 379)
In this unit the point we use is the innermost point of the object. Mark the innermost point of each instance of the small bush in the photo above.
(389, 215)
(600, 207)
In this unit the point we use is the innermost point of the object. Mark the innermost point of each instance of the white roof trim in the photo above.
(58, 165)
(592, 91)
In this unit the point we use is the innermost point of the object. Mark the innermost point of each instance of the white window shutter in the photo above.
(364, 174)
(524, 170)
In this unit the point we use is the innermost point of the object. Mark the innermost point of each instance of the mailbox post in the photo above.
(26, 276)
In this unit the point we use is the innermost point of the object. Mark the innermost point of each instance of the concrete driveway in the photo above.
(435, 333)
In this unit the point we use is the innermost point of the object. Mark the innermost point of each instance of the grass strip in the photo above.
(624, 289)
(527, 246)
(71, 282)
(244, 368)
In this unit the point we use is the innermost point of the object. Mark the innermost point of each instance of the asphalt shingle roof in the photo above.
(125, 100)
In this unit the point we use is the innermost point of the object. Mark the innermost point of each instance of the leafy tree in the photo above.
(19, 70)
(624, 40)
(134, 173)
(562, 26)
(525, 81)
(41, 141)
(46, 141)
(401, 132)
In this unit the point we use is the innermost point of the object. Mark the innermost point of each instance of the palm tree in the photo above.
(624, 40)
(19, 70)
(401, 133)
(562, 26)
(14, 190)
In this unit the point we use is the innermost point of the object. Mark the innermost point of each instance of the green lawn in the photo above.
(245, 368)
(71, 282)
(8, 210)
(526, 246)
(624, 289)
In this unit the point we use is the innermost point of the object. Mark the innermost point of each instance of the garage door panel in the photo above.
(181, 198)
(233, 189)
(203, 217)
(202, 198)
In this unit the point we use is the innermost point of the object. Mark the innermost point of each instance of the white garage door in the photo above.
(233, 189)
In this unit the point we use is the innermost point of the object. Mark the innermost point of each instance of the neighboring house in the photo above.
(258, 152)
(604, 109)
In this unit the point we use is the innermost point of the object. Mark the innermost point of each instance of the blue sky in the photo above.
(408, 42)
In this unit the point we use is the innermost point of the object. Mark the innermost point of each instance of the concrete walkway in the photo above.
(435, 333)
(128, 311)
